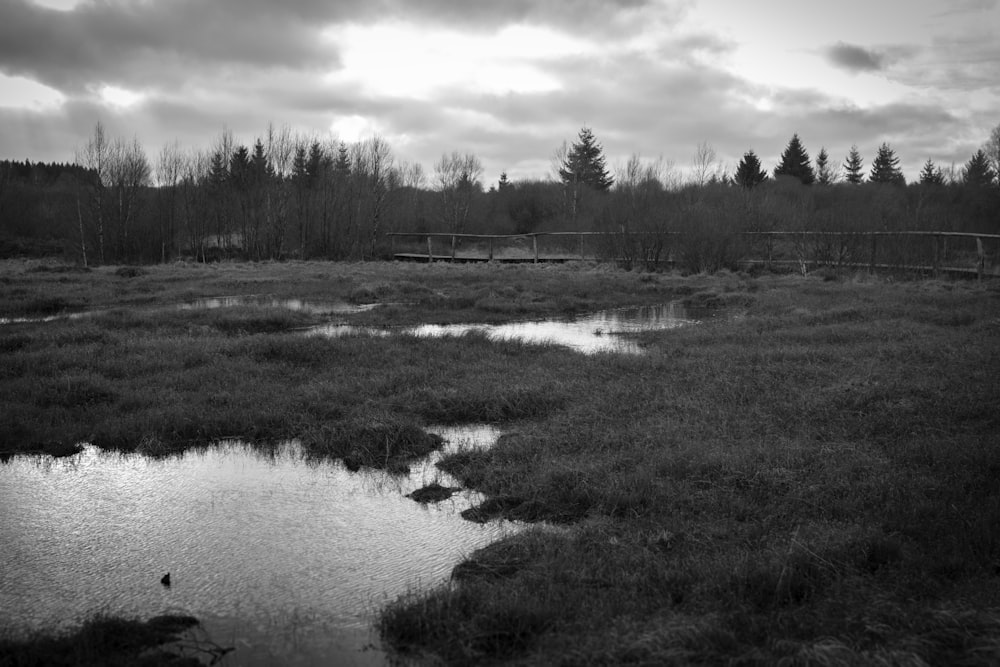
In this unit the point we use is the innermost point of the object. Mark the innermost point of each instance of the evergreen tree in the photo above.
(239, 167)
(342, 167)
(795, 162)
(824, 172)
(853, 167)
(260, 167)
(931, 174)
(978, 172)
(503, 183)
(584, 164)
(749, 172)
(317, 162)
(300, 166)
(885, 167)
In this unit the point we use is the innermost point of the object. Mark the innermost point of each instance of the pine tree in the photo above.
(239, 167)
(795, 162)
(260, 166)
(978, 172)
(342, 167)
(584, 164)
(503, 183)
(824, 173)
(853, 167)
(749, 172)
(300, 166)
(931, 174)
(885, 167)
(316, 163)
(218, 173)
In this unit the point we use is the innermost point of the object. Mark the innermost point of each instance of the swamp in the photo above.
(772, 468)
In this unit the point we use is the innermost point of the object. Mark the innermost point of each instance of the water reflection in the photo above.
(296, 305)
(284, 558)
(598, 332)
(46, 318)
(212, 303)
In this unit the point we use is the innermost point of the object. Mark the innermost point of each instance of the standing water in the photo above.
(283, 558)
(597, 332)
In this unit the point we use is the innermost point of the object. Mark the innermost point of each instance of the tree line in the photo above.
(292, 196)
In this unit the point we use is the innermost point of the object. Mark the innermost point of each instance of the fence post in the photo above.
(980, 259)
(871, 266)
(452, 247)
(392, 246)
(491, 249)
(430, 251)
(937, 255)
(534, 243)
(582, 256)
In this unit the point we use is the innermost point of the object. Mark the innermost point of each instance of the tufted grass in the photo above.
(811, 481)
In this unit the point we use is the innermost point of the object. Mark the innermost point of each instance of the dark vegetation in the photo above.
(433, 493)
(291, 197)
(813, 481)
(105, 641)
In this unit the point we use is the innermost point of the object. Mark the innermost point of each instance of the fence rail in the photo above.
(931, 252)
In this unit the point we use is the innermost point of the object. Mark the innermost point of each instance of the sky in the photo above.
(507, 80)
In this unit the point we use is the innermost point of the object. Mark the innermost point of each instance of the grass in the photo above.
(146, 376)
(105, 641)
(813, 481)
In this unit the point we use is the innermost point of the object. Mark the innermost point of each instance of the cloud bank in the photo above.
(509, 81)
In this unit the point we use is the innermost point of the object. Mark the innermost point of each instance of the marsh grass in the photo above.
(103, 641)
(373, 438)
(813, 480)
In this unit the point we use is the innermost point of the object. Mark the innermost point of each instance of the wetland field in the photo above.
(710, 469)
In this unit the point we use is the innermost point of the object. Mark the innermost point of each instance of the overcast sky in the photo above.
(508, 80)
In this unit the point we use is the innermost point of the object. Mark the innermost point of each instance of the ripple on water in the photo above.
(279, 555)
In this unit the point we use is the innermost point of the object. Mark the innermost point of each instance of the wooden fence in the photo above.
(928, 252)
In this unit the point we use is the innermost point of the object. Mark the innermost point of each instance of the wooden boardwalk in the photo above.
(871, 250)
(472, 259)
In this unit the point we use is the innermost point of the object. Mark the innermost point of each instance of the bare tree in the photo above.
(639, 210)
(413, 175)
(95, 158)
(129, 172)
(169, 167)
(372, 167)
(706, 164)
(557, 161)
(280, 146)
(992, 150)
(196, 199)
(458, 179)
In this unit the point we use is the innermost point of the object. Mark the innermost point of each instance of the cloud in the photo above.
(968, 7)
(133, 44)
(855, 58)
(633, 71)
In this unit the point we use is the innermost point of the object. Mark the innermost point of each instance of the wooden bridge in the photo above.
(492, 242)
(928, 252)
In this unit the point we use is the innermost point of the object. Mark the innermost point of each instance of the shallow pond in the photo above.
(213, 303)
(284, 558)
(597, 332)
